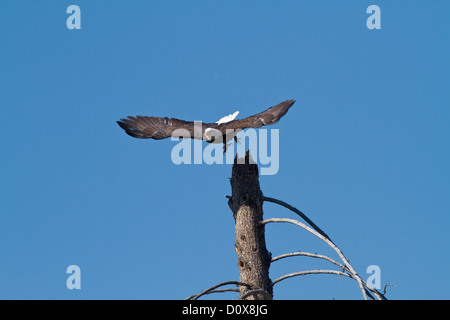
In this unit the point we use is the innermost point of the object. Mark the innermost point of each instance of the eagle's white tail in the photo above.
(228, 118)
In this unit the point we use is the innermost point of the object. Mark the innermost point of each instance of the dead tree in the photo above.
(246, 203)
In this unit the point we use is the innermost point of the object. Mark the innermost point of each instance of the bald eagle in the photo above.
(222, 131)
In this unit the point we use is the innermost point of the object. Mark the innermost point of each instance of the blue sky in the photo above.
(364, 152)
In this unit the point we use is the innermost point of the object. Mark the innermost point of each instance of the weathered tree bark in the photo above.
(246, 203)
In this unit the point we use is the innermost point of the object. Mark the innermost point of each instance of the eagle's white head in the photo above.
(213, 135)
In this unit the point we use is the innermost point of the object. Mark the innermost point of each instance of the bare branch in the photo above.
(266, 294)
(329, 242)
(302, 273)
(308, 254)
(222, 290)
(209, 290)
(301, 214)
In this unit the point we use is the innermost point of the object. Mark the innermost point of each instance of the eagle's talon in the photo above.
(225, 147)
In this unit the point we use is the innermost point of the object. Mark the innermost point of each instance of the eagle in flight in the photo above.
(222, 131)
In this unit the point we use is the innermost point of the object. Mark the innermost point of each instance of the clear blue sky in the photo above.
(364, 152)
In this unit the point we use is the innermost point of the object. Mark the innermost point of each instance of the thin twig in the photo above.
(387, 285)
(207, 291)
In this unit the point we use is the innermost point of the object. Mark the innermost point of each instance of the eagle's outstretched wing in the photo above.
(157, 127)
(160, 128)
(267, 117)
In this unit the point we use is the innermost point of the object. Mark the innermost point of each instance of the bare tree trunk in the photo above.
(246, 203)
